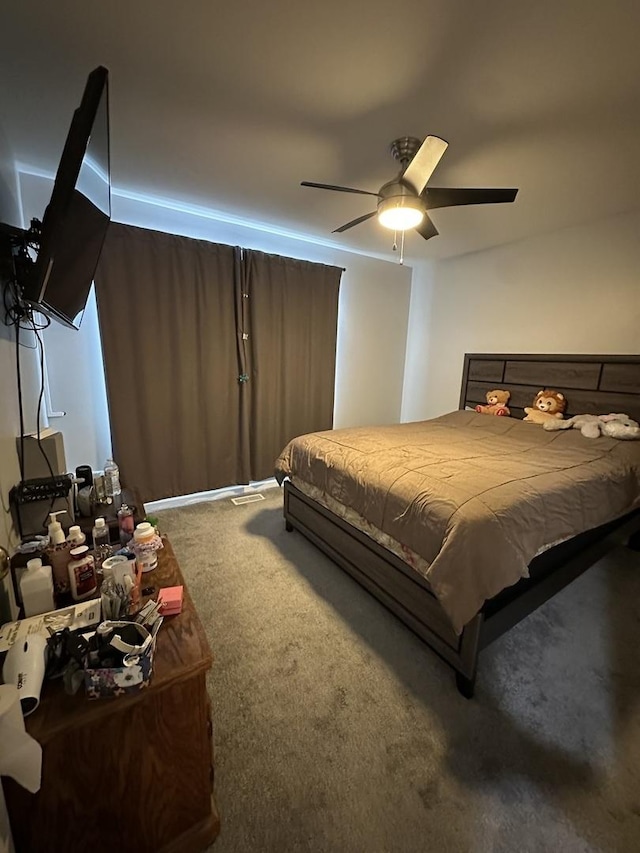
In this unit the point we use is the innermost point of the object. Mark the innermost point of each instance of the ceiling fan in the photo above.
(404, 201)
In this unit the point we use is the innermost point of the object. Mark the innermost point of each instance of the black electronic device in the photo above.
(84, 476)
(41, 489)
(75, 222)
(31, 502)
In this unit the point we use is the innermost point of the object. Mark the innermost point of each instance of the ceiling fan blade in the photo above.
(354, 222)
(338, 189)
(425, 161)
(451, 196)
(426, 228)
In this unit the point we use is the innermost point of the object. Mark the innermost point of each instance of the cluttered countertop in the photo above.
(181, 646)
(158, 738)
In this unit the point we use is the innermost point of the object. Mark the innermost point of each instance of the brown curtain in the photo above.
(214, 358)
(291, 316)
(167, 315)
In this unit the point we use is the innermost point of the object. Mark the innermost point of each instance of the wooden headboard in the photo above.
(592, 384)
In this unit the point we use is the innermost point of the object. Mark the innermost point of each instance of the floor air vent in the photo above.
(247, 499)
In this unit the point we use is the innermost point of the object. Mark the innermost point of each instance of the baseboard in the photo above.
(212, 495)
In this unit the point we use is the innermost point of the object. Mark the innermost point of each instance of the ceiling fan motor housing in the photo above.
(397, 196)
(401, 193)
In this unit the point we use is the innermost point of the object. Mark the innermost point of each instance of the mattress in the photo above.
(474, 497)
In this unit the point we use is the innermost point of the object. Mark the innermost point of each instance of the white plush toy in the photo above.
(615, 425)
(620, 426)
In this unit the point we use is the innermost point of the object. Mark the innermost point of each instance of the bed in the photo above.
(465, 524)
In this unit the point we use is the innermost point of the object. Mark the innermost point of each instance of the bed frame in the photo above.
(592, 384)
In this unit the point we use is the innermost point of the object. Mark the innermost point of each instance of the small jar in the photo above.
(76, 536)
(145, 544)
(82, 573)
(126, 524)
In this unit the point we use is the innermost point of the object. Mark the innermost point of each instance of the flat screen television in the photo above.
(75, 222)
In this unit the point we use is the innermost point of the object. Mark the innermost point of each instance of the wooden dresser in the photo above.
(130, 773)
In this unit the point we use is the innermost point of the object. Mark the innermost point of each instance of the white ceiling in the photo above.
(230, 105)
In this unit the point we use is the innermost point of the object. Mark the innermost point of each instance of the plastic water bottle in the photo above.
(101, 545)
(112, 479)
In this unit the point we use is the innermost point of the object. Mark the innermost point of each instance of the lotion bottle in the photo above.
(36, 589)
(57, 552)
(82, 573)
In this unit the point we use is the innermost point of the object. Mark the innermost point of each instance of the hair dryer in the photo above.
(24, 667)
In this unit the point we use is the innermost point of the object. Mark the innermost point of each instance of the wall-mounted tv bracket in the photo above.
(17, 258)
(17, 248)
(20, 241)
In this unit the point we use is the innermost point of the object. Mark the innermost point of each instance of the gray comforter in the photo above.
(476, 496)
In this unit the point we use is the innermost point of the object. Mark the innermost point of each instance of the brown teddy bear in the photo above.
(496, 403)
(547, 405)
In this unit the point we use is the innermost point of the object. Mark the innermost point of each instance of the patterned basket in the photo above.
(122, 680)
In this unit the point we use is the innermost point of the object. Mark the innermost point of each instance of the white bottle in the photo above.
(76, 536)
(145, 544)
(36, 588)
(57, 552)
(112, 479)
(101, 546)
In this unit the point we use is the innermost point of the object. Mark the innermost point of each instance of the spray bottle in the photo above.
(57, 552)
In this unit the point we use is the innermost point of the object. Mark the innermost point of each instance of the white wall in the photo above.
(9, 419)
(414, 397)
(573, 291)
(373, 318)
(9, 410)
(77, 388)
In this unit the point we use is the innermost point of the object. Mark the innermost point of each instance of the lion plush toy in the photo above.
(496, 403)
(547, 405)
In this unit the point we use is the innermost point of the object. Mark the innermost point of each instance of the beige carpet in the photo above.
(336, 729)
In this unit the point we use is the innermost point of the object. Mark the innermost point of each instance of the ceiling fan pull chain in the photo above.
(395, 241)
(402, 249)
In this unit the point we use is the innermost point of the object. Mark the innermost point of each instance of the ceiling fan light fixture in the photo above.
(405, 201)
(399, 213)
